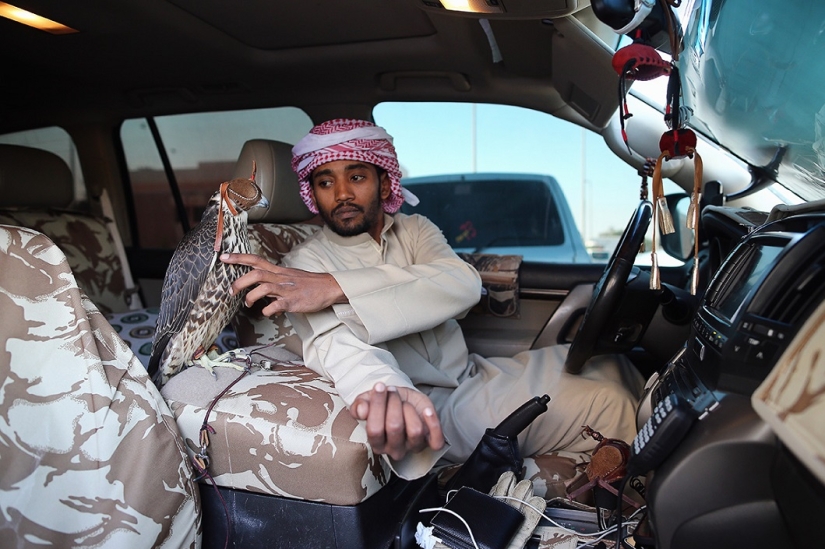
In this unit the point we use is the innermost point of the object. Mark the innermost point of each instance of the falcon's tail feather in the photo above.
(153, 368)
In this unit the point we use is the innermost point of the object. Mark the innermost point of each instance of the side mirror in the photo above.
(678, 244)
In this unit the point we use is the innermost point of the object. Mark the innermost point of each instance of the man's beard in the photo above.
(353, 227)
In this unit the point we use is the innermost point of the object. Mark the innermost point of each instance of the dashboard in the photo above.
(759, 298)
(717, 486)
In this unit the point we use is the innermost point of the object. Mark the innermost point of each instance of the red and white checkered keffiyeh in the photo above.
(347, 139)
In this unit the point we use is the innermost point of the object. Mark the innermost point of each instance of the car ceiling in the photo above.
(143, 57)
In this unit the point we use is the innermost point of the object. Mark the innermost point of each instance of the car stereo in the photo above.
(761, 295)
(757, 301)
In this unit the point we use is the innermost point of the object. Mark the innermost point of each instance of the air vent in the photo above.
(805, 290)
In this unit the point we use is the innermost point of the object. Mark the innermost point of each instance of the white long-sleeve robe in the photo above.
(399, 327)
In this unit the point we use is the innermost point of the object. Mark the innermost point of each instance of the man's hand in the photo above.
(399, 420)
(290, 290)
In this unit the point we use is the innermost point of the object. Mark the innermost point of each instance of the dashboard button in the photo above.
(762, 355)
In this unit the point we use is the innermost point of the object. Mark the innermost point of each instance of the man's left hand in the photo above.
(399, 420)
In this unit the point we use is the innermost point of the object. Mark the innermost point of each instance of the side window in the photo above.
(55, 140)
(478, 213)
(475, 141)
(202, 149)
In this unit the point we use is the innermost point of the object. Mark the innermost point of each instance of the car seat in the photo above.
(37, 191)
(90, 453)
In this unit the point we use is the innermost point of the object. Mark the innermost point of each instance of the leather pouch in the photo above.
(492, 522)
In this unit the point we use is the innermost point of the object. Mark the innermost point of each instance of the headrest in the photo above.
(277, 181)
(34, 178)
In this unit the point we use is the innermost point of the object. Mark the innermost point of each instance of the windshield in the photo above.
(753, 80)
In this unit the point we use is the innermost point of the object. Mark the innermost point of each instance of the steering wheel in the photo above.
(609, 288)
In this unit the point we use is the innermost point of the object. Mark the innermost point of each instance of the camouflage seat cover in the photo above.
(90, 453)
(89, 248)
(283, 431)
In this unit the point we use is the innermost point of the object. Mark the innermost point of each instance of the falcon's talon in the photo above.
(214, 353)
(226, 360)
(230, 356)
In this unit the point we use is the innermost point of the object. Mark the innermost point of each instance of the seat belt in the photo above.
(132, 291)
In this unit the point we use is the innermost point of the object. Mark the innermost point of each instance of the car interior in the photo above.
(119, 120)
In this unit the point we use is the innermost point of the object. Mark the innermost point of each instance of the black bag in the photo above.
(493, 523)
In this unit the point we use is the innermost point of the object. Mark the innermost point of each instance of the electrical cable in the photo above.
(620, 543)
(599, 535)
(456, 515)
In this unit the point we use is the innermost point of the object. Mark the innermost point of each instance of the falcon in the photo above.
(196, 301)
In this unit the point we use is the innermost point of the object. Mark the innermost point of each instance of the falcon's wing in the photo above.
(184, 277)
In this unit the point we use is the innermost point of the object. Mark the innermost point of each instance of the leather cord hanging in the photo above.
(662, 220)
(224, 190)
(224, 200)
(692, 221)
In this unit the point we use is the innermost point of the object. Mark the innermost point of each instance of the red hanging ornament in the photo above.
(637, 61)
(678, 143)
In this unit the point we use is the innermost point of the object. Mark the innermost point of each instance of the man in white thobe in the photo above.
(375, 296)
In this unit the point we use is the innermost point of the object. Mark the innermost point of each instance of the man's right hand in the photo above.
(288, 290)
(399, 420)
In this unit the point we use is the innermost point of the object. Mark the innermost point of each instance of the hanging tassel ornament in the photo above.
(692, 221)
(661, 213)
(682, 143)
(673, 144)
(662, 221)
